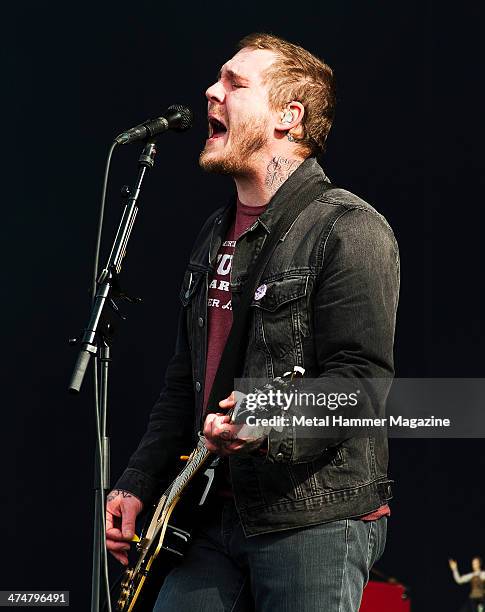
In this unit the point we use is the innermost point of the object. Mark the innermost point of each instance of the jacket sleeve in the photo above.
(354, 313)
(169, 431)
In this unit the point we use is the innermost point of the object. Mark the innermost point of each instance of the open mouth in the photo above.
(216, 128)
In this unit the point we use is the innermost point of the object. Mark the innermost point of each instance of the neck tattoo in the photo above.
(279, 169)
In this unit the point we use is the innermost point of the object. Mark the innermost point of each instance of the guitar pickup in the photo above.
(176, 540)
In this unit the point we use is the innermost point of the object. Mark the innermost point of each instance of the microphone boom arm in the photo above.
(107, 284)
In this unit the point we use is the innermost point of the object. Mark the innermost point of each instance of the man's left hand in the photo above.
(225, 438)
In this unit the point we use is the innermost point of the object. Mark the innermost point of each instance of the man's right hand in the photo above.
(122, 508)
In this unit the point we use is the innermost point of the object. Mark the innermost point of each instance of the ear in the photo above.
(290, 118)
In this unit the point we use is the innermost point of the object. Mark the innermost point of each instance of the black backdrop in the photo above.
(407, 138)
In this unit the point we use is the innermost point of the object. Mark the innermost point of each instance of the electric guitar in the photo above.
(167, 532)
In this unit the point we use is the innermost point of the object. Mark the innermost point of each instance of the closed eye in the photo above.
(237, 85)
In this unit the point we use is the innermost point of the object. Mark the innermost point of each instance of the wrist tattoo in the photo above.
(116, 493)
(279, 169)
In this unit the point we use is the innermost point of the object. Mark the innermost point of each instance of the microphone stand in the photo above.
(95, 342)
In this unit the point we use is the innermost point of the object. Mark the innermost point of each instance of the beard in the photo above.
(250, 138)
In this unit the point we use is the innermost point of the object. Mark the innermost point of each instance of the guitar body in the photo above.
(166, 551)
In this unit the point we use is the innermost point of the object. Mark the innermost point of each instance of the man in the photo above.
(298, 523)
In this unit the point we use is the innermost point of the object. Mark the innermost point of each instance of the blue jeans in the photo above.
(321, 568)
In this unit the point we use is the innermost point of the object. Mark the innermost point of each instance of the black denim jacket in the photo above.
(330, 306)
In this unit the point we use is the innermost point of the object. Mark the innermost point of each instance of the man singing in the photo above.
(291, 526)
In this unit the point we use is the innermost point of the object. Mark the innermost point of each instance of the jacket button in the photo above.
(201, 322)
(198, 386)
(279, 457)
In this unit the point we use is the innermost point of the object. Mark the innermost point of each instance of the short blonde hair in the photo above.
(298, 75)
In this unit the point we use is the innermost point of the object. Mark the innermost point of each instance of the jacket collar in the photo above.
(309, 171)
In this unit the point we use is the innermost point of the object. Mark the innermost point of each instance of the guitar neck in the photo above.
(197, 459)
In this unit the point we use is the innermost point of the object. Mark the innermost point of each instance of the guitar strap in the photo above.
(232, 359)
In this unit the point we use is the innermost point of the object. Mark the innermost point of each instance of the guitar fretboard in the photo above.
(199, 456)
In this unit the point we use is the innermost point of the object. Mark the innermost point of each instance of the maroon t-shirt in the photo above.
(219, 311)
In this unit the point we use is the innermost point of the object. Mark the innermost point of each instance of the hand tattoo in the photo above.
(116, 493)
(226, 438)
(279, 169)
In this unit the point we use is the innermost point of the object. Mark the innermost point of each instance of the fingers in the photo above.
(221, 436)
(116, 546)
(122, 557)
(213, 424)
(222, 448)
(114, 534)
(122, 509)
(113, 524)
(219, 426)
(228, 402)
(109, 521)
(128, 524)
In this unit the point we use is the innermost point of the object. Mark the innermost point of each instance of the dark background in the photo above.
(407, 138)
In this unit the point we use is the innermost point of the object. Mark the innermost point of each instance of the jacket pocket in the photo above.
(281, 317)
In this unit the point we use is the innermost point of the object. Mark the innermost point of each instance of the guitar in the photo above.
(166, 535)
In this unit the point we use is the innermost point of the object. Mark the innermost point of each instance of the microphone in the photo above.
(177, 118)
